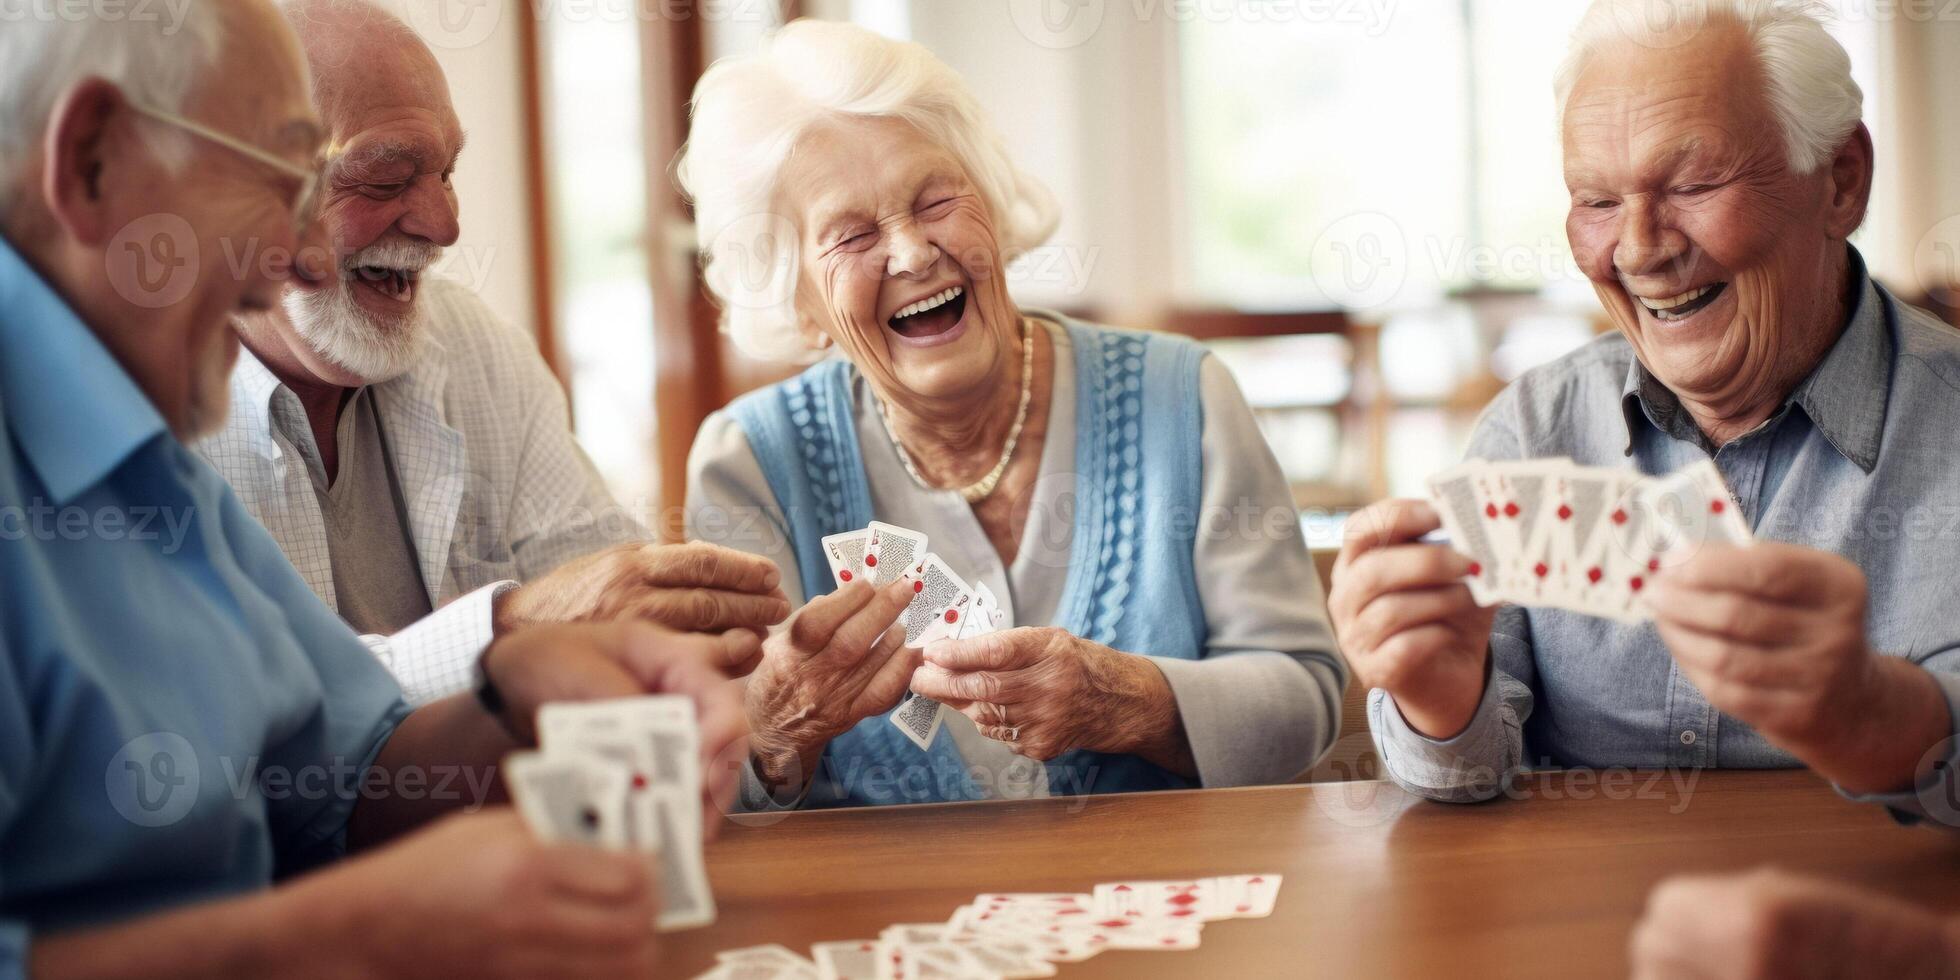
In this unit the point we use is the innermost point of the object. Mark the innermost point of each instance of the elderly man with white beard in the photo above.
(404, 445)
(1717, 168)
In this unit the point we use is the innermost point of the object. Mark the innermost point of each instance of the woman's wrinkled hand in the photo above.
(1047, 691)
(839, 661)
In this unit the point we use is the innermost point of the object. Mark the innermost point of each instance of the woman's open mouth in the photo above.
(931, 317)
(1670, 308)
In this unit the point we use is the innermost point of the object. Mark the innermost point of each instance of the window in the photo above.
(604, 308)
(1358, 164)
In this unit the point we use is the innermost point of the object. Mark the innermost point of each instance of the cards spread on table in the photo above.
(1546, 532)
(624, 774)
(943, 605)
(1006, 936)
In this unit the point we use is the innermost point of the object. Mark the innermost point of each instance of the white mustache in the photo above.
(401, 255)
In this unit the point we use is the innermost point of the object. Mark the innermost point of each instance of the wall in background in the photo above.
(478, 48)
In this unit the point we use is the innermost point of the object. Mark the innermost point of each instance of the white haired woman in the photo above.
(1110, 487)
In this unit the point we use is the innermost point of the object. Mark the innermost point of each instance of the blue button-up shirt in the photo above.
(180, 717)
(1863, 459)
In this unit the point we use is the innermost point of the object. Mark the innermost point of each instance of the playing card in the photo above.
(661, 731)
(889, 551)
(1248, 896)
(1543, 489)
(1455, 494)
(941, 600)
(1635, 557)
(608, 734)
(985, 617)
(570, 797)
(1694, 505)
(1163, 900)
(845, 553)
(1588, 550)
(855, 959)
(1526, 491)
(919, 718)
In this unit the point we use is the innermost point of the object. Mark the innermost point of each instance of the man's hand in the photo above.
(1405, 619)
(479, 895)
(1048, 691)
(1768, 924)
(839, 662)
(596, 661)
(1774, 634)
(698, 587)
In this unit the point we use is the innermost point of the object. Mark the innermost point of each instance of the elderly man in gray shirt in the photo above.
(1716, 168)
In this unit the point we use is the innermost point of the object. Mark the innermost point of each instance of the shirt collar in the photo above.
(74, 411)
(257, 393)
(1845, 396)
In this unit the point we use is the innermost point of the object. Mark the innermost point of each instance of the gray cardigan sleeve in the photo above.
(1265, 702)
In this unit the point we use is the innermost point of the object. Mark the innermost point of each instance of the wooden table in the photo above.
(1377, 883)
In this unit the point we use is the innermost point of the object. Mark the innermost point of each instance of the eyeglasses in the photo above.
(309, 180)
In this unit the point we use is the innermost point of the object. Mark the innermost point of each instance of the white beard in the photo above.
(339, 330)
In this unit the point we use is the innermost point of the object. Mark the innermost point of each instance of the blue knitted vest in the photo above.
(1131, 585)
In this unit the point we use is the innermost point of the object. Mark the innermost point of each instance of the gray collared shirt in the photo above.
(1863, 459)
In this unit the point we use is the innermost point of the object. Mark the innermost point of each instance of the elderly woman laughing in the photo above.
(1109, 486)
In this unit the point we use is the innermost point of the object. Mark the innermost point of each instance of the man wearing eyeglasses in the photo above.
(182, 722)
(408, 449)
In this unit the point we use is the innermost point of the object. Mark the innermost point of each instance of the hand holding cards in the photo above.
(1583, 539)
(943, 605)
(626, 775)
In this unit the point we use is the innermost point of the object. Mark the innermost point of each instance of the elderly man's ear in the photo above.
(1851, 183)
(87, 156)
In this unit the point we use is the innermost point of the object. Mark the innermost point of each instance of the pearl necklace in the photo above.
(981, 489)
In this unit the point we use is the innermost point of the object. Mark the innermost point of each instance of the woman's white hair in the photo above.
(155, 55)
(1807, 72)
(748, 114)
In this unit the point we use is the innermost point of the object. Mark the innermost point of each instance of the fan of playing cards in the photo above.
(1005, 936)
(943, 606)
(1545, 532)
(622, 774)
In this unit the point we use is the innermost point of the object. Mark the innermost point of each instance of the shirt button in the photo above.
(1688, 737)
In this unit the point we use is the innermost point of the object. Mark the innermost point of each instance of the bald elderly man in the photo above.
(1717, 168)
(183, 723)
(408, 449)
